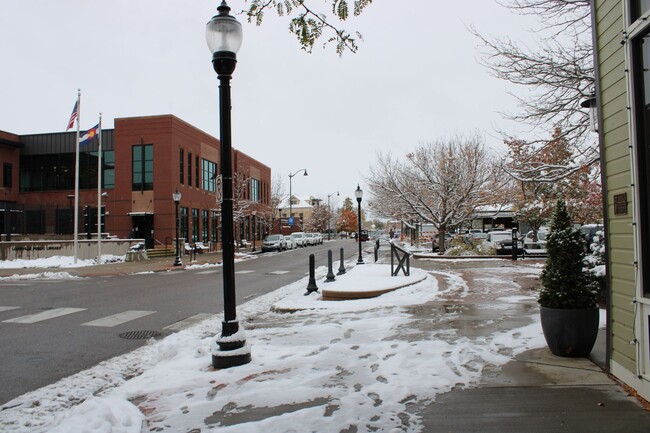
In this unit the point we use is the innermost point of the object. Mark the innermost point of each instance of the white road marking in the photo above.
(207, 272)
(118, 319)
(182, 324)
(7, 308)
(45, 315)
(244, 272)
(278, 272)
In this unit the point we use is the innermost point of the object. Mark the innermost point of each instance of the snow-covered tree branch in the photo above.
(440, 183)
(559, 75)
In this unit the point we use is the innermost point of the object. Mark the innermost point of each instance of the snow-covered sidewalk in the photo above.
(327, 366)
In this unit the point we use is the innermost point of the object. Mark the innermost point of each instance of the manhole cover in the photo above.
(139, 335)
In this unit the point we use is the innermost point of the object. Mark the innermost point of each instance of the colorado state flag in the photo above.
(89, 135)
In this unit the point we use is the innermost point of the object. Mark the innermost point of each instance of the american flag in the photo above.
(73, 116)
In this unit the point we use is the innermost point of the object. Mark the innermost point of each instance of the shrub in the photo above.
(565, 283)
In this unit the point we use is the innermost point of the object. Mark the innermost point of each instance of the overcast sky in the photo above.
(415, 78)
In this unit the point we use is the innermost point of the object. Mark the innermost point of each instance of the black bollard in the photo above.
(342, 266)
(311, 286)
(330, 274)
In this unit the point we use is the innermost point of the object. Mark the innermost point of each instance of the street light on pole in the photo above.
(329, 216)
(359, 195)
(224, 37)
(176, 196)
(280, 220)
(290, 191)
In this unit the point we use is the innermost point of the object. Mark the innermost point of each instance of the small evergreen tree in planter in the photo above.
(568, 298)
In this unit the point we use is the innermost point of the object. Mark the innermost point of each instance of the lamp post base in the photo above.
(231, 349)
(178, 261)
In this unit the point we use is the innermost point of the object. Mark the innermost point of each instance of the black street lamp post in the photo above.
(280, 220)
(224, 37)
(359, 195)
(176, 196)
(291, 193)
(329, 215)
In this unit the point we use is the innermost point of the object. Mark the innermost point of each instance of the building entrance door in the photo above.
(143, 228)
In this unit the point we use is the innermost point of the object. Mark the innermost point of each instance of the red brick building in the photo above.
(144, 160)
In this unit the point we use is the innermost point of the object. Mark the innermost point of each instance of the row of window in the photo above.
(208, 227)
(205, 174)
(204, 226)
(56, 171)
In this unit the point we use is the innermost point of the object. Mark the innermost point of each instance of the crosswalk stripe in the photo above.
(7, 308)
(278, 272)
(244, 272)
(45, 315)
(118, 319)
(182, 324)
(207, 272)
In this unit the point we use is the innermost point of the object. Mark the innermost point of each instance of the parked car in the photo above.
(318, 238)
(501, 240)
(291, 242)
(300, 239)
(310, 240)
(534, 247)
(274, 243)
(590, 231)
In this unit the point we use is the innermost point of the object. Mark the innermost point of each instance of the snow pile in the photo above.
(41, 276)
(364, 365)
(57, 262)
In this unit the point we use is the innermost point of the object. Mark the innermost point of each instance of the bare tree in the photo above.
(309, 22)
(441, 183)
(559, 75)
(318, 220)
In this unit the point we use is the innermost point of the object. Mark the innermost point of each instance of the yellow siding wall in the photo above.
(614, 127)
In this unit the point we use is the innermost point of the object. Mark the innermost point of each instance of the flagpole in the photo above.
(99, 193)
(76, 181)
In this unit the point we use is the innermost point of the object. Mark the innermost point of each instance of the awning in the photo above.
(139, 213)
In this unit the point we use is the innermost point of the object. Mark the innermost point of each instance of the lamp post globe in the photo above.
(358, 193)
(223, 34)
(176, 196)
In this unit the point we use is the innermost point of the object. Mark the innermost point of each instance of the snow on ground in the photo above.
(41, 276)
(324, 366)
(56, 262)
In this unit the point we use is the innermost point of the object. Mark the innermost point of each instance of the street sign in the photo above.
(290, 220)
(219, 189)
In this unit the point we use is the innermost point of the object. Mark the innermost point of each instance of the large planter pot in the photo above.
(570, 333)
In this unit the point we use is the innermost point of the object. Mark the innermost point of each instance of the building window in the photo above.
(181, 158)
(108, 169)
(205, 226)
(142, 171)
(189, 169)
(197, 169)
(255, 190)
(214, 225)
(7, 173)
(638, 8)
(195, 225)
(641, 76)
(209, 169)
(183, 222)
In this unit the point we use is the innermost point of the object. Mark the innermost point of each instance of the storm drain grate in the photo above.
(139, 335)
